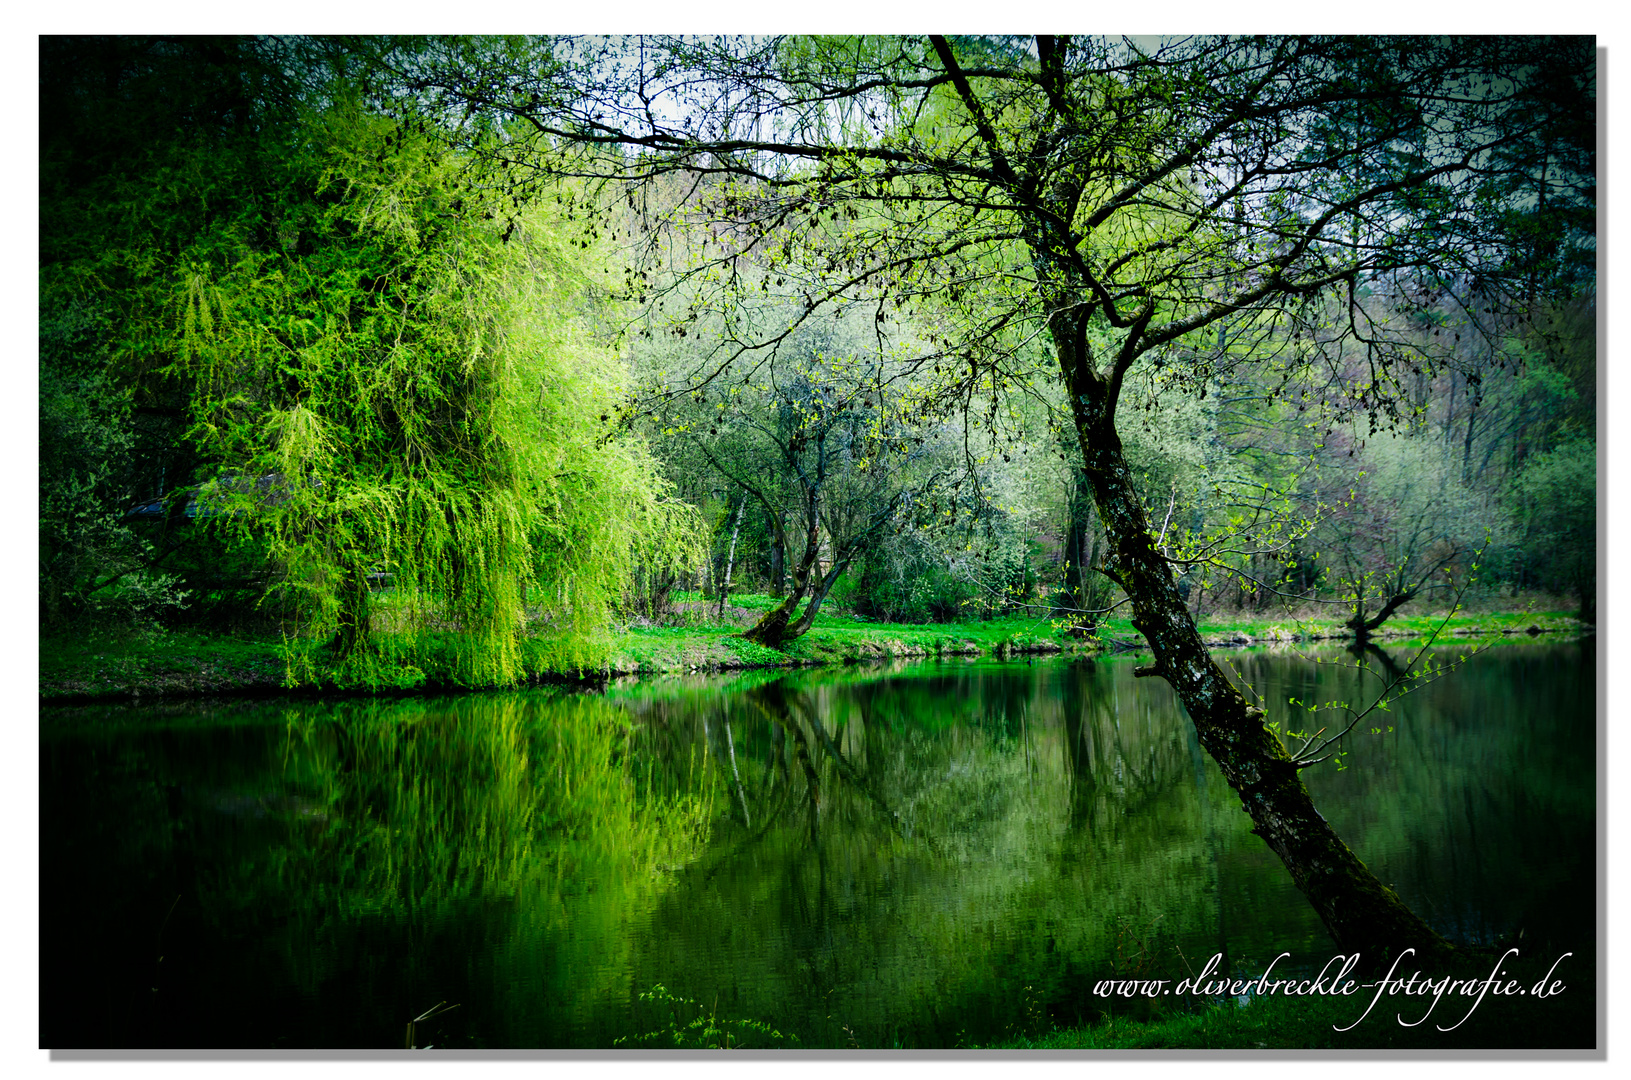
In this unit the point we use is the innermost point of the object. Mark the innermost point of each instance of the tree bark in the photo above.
(1363, 627)
(1077, 585)
(1360, 912)
(730, 558)
(355, 620)
(772, 630)
(778, 628)
(778, 561)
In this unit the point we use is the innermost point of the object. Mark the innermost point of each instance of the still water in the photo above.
(931, 855)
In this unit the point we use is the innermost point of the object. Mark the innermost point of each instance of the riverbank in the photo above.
(183, 663)
(194, 664)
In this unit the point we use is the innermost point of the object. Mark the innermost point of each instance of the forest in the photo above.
(369, 339)
(445, 361)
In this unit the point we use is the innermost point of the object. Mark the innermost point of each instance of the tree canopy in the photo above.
(1086, 212)
(387, 398)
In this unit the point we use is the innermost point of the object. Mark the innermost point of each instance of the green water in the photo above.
(924, 856)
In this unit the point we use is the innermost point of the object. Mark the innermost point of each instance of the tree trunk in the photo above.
(773, 631)
(778, 628)
(1082, 553)
(778, 561)
(1477, 393)
(1586, 586)
(1363, 627)
(355, 620)
(818, 595)
(730, 558)
(1360, 912)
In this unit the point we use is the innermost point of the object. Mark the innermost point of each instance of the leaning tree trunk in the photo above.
(1363, 627)
(1360, 912)
(778, 559)
(773, 630)
(778, 627)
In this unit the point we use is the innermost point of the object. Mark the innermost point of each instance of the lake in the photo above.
(927, 855)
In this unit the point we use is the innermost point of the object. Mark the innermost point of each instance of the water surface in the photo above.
(921, 856)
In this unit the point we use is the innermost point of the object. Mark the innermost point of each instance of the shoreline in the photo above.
(183, 665)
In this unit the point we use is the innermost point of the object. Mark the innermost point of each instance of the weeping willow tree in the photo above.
(407, 411)
(385, 389)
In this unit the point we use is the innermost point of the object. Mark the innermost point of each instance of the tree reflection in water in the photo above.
(916, 856)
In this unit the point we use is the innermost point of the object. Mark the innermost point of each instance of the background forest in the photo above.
(329, 353)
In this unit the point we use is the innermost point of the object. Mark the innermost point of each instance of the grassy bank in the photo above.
(158, 664)
(699, 638)
(181, 663)
(1402, 632)
(834, 640)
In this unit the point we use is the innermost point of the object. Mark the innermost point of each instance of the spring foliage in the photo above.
(424, 419)
(394, 405)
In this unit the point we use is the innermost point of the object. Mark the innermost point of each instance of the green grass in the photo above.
(1402, 630)
(759, 602)
(157, 662)
(835, 639)
(186, 662)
